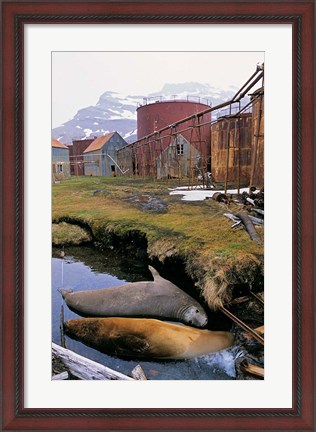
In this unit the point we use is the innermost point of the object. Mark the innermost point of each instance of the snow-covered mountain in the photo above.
(117, 112)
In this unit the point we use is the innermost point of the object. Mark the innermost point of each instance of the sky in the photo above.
(79, 78)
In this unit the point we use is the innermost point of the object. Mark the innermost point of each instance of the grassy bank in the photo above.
(141, 216)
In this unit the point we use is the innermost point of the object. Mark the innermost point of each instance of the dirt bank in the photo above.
(141, 218)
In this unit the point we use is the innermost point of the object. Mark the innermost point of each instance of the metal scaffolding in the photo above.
(180, 150)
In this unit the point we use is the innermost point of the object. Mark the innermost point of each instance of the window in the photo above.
(60, 168)
(180, 149)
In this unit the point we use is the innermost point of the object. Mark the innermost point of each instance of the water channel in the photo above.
(86, 268)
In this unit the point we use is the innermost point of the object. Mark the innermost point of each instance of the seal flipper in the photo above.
(64, 291)
(154, 272)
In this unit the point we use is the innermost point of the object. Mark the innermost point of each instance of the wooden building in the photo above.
(257, 157)
(100, 156)
(231, 142)
(178, 159)
(174, 151)
(60, 161)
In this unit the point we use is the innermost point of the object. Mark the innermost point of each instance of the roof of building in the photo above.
(98, 143)
(56, 143)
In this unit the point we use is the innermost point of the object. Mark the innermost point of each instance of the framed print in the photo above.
(124, 179)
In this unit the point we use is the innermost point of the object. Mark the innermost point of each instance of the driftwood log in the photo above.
(138, 373)
(84, 368)
(249, 226)
(61, 376)
(259, 211)
(254, 220)
(252, 369)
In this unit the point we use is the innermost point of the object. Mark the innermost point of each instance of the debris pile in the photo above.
(247, 314)
(251, 202)
(254, 198)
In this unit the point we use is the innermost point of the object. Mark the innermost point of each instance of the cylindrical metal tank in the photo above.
(155, 116)
(231, 150)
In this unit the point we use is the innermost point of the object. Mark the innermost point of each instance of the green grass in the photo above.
(197, 232)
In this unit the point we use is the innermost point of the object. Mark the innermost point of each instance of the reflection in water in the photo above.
(85, 268)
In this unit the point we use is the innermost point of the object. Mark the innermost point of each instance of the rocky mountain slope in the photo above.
(117, 112)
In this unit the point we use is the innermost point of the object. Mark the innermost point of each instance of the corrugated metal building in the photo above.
(175, 161)
(171, 139)
(60, 161)
(100, 156)
(231, 150)
(237, 146)
(257, 157)
(76, 155)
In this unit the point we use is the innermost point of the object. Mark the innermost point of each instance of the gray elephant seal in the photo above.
(159, 298)
(146, 338)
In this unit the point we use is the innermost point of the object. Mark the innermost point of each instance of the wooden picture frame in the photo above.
(300, 14)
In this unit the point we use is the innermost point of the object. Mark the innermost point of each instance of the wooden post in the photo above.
(255, 145)
(62, 335)
(227, 155)
(61, 376)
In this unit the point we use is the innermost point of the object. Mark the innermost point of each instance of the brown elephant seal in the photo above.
(159, 298)
(146, 338)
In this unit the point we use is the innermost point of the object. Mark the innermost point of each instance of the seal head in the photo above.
(195, 316)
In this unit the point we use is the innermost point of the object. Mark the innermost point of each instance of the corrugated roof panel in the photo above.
(98, 143)
(56, 143)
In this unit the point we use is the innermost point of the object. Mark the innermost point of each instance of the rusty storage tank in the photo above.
(156, 114)
(231, 150)
(194, 134)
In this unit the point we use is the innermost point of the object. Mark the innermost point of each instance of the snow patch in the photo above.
(87, 132)
(131, 133)
(200, 194)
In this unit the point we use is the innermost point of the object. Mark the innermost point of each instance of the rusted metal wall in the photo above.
(148, 151)
(76, 156)
(125, 158)
(257, 160)
(155, 116)
(231, 141)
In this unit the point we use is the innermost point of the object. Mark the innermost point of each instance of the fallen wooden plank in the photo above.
(236, 219)
(60, 376)
(138, 373)
(251, 201)
(231, 217)
(84, 368)
(252, 369)
(249, 226)
(256, 221)
(259, 211)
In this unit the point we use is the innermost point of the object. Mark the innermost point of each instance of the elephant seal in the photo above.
(146, 338)
(159, 298)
